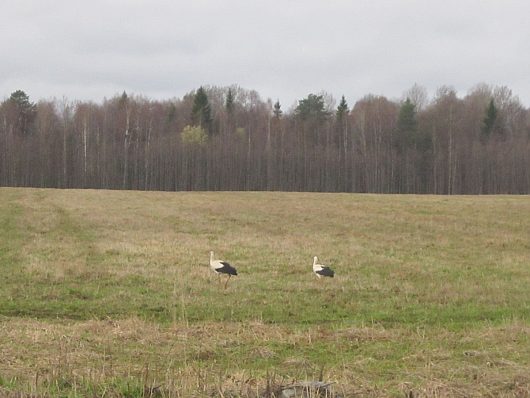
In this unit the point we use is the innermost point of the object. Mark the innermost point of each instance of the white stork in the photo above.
(322, 270)
(222, 267)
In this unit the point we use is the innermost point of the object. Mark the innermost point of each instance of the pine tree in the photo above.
(21, 99)
(312, 108)
(313, 114)
(201, 111)
(24, 109)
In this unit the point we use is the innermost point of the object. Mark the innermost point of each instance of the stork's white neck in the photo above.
(315, 259)
(211, 257)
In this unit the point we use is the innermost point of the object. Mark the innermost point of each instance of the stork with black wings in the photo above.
(222, 267)
(322, 270)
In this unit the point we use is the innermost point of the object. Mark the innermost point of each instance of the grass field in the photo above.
(108, 293)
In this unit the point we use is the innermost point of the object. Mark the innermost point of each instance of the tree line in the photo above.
(228, 138)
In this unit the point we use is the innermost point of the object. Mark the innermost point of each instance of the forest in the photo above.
(230, 139)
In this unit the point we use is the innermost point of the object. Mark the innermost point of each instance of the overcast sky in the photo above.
(283, 49)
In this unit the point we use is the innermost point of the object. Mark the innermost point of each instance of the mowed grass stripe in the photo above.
(11, 240)
(57, 273)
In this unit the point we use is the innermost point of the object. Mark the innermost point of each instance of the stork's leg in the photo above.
(226, 283)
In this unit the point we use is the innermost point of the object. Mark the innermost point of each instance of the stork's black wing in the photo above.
(226, 269)
(326, 271)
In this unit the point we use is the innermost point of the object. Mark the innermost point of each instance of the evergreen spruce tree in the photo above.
(489, 120)
(123, 99)
(171, 113)
(407, 126)
(201, 111)
(229, 104)
(342, 109)
(277, 111)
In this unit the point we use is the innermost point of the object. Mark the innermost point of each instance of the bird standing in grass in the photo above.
(222, 267)
(322, 270)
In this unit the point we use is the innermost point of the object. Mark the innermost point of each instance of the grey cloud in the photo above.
(283, 49)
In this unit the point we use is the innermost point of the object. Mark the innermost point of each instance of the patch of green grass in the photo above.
(8, 383)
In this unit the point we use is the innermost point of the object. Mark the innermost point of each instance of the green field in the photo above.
(109, 293)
